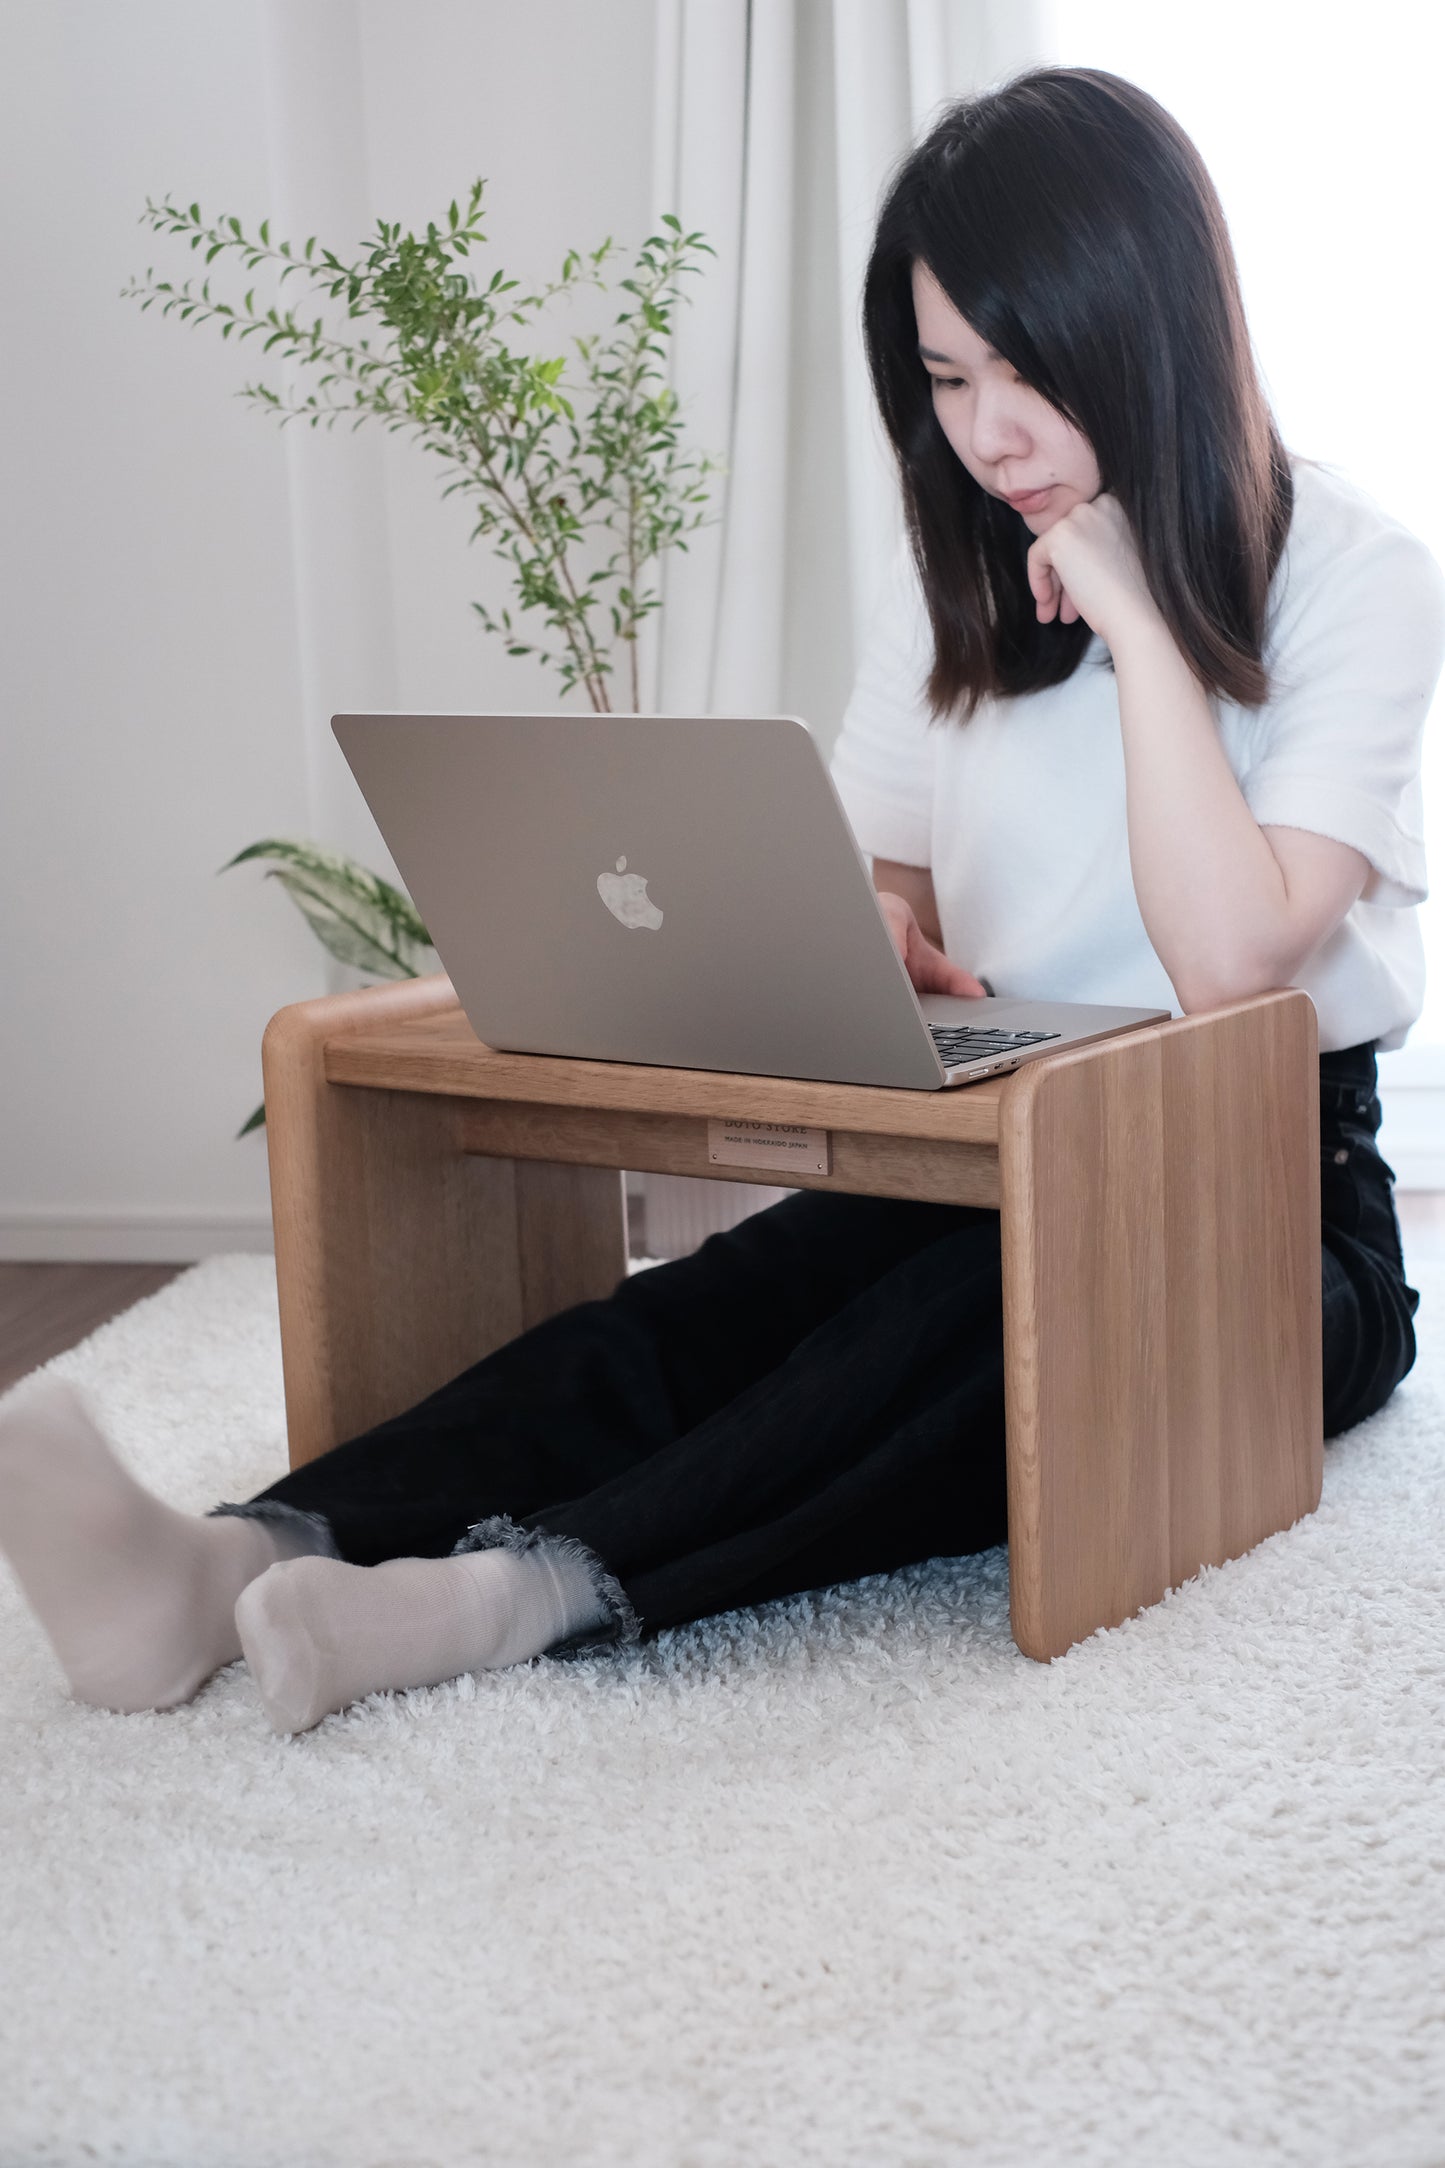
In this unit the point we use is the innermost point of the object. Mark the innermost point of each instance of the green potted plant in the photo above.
(579, 481)
(580, 485)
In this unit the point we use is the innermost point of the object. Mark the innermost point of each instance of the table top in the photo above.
(441, 1053)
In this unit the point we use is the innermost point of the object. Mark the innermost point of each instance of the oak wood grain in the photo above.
(436, 1050)
(400, 1258)
(1160, 1230)
(1159, 1206)
(666, 1143)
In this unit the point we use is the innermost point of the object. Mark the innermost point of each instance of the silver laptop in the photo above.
(676, 890)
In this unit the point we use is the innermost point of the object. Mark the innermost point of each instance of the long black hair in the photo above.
(1073, 225)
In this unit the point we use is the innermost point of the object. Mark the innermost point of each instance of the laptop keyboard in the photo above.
(970, 1042)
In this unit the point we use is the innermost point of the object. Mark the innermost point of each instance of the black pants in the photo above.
(814, 1395)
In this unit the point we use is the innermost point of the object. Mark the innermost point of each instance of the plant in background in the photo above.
(359, 917)
(560, 473)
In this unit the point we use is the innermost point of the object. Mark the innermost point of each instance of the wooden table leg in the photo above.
(1161, 1266)
(400, 1257)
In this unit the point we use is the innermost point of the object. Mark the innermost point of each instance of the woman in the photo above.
(1140, 721)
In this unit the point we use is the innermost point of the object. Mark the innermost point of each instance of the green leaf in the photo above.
(256, 1121)
(360, 918)
(430, 357)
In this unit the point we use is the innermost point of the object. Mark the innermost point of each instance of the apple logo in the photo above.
(625, 895)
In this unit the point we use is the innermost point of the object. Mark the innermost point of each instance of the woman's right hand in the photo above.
(926, 965)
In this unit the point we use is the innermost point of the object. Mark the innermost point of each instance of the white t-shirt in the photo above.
(1020, 813)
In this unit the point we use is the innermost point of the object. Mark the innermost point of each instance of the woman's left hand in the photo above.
(1087, 565)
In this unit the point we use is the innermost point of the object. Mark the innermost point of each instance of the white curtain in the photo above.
(732, 130)
(314, 93)
(741, 140)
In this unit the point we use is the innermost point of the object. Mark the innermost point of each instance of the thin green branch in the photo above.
(551, 463)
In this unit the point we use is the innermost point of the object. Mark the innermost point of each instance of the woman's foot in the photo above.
(319, 1634)
(137, 1600)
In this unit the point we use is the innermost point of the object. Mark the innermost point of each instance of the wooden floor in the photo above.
(45, 1309)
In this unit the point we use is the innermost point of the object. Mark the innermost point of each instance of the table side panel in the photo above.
(396, 1254)
(1246, 1404)
(1160, 1229)
(1085, 1343)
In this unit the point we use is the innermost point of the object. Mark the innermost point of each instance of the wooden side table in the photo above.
(1160, 1207)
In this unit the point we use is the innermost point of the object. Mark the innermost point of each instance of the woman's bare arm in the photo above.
(915, 885)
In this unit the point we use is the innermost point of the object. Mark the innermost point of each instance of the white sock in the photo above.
(318, 1634)
(137, 1600)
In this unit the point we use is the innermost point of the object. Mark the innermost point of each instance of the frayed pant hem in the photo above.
(316, 1525)
(620, 1623)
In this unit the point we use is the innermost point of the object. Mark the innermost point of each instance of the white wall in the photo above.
(149, 656)
(160, 705)
(1320, 125)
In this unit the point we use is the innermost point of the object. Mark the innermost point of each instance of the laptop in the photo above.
(682, 891)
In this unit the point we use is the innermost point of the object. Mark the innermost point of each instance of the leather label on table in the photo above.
(775, 1147)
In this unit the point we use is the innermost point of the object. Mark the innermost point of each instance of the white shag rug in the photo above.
(845, 1880)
